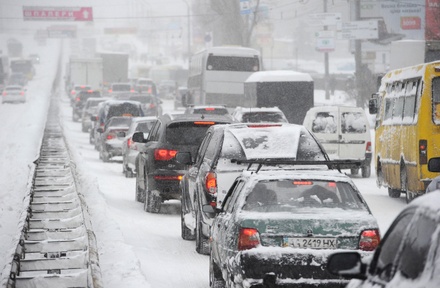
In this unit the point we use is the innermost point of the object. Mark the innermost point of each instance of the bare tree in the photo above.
(236, 29)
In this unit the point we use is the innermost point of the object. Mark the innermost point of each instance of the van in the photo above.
(344, 132)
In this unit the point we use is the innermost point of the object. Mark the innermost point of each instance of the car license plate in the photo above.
(311, 242)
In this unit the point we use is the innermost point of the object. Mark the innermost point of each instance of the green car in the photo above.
(278, 227)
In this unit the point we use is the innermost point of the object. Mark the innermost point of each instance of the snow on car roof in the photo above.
(278, 76)
(320, 172)
(259, 109)
(270, 142)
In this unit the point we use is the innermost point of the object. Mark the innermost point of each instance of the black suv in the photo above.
(158, 174)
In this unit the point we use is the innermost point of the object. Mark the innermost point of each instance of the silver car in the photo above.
(130, 148)
(13, 93)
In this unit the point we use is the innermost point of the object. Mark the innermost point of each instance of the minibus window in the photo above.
(436, 100)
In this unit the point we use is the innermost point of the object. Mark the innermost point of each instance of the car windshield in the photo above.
(125, 109)
(296, 194)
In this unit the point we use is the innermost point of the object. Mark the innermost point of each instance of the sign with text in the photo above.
(359, 30)
(324, 19)
(44, 13)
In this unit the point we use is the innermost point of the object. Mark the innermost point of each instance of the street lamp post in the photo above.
(189, 29)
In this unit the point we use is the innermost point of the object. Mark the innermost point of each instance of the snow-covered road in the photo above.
(137, 249)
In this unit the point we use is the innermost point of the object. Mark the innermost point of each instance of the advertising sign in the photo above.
(432, 31)
(44, 13)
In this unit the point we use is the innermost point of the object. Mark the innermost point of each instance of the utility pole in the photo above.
(358, 57)
(189, 29)
(326, 63)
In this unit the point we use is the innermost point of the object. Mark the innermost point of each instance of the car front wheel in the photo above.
(215, 275)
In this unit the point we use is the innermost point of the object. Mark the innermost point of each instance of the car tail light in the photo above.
(152, 105)
(132, 90)
(22, 93)
(110, 90)
(423, 151)
(4, 93)
(248, 238)
(368, 148)
(72, 92)
(302, 183)
(77, 99)
(82, 86)
(369, 240)
(209, 109)
(168, 177)
(149, 90)
(164, 154)
(111, 136)
(130, 143)
(211, 183)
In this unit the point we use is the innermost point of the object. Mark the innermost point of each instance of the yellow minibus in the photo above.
(407, 108)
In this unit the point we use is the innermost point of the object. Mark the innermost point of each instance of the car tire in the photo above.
(186, 233)
(140, 194)
(215, 275)
(394, 193)
(354, 171)
(202, 244)
(105, 157)
(409, 196)
(366, 171)
(152, 201)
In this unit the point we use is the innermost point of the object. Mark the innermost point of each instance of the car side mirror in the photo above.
(184, 158)
(211, 211)
(138, 137)
(347, 264)
(372, 104)
(434, 164)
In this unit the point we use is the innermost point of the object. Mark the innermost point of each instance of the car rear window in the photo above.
(272, 142)
(121, 87)
(119, 122)
(291, 194)
(13, 89)
(144, 127)
(142, 99)
(213, 111)
(187, 133)
(263, 117)
(125, 109)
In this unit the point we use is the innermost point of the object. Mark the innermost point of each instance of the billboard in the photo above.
(53, 13)
(432, 31)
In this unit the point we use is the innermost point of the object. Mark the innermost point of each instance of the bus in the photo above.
(407, 108)
(217, 75)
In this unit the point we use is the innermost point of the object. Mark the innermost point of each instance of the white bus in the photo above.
(217, 75)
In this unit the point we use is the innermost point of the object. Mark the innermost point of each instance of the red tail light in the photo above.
(132, 90)
(77, 99)
(152, 105)
(369, 240)
(423, 151)
(129, 143)
(149, 90)
(110, 90)
(89, 91)
(204, 123)
(5, 93)
(211, 183)
(72, 92)
(164, 154)
(368, 148)
(22, 93)
(209, 109)
(111, 136)
(248, 238)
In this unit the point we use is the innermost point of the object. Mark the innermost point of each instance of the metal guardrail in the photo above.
(57, 246)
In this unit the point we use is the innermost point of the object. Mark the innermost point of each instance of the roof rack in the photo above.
(331, 164)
